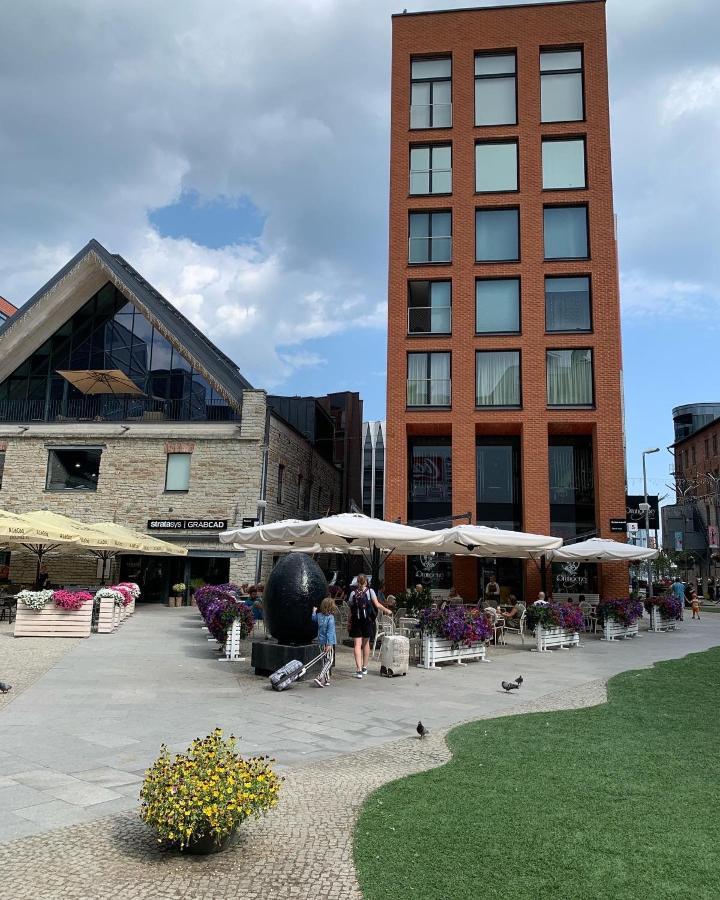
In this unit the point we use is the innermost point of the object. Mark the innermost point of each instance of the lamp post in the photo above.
(647, 518)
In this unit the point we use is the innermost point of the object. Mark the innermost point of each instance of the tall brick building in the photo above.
(504, 356)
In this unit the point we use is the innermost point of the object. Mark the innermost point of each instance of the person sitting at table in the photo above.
(541, 601)
(517, 609)
(581, 599)
(391, 602)
(453, 596)
(255, 602)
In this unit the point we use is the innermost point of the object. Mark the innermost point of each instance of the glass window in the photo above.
(177, 474)
(2, 465)
(497, 235)
(497, 305)
(430, 237)
(497, 378)
(428, 381)
(429, 477)
(300, 488)
(430, 93)
(569, 378)
(75, 469)
(379, 475)
(563, 164)
(495, 102)
(429, 306)
(496, 167)
(281, 477)
(561, 86)
(498, 482)
(431, 170)
(572, 486)
(567, 304)
(566, 232)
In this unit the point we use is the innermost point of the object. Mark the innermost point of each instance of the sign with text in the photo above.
(619, 525)
(679, 541)
(632, 527)
(187, 524)
(250, 522)
(632, 510)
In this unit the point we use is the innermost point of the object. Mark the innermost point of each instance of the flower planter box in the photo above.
(53, 621)
(658, 622)
(131, 607)
(613, 630)
(109, 616)
(435, 650)
(549, 638)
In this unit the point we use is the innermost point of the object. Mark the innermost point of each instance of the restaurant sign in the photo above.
(187, 524)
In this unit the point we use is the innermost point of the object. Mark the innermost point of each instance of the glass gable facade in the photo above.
(109, 333)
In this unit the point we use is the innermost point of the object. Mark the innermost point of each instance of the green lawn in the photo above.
(617, 801)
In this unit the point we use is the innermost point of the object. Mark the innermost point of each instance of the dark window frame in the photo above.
(430, 146)
(70, 490)
(431, 237)
(499, 141)
(430, 282)
(499, 262)
(3, 457)
(560, 259)
(587, 275)
(514, 442)
(500, 278)
(431, 82)
(280, 483)
(564, 138)
(427, 354)
(591, 405)
(487, 53)
(581, 71)
(518, 405)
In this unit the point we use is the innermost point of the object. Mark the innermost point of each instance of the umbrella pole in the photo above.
(543, 574)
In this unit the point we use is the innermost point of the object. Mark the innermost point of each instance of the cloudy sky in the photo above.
(235, 151)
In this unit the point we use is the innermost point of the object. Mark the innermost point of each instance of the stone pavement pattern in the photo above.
(303, 848)
(22, 662)
(75, 745)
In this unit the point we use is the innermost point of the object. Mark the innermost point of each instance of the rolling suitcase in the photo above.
(288, 674)
(394, 655)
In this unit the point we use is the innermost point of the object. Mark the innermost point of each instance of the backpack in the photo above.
(364, 607)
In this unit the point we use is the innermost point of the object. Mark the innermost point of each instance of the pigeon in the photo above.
(4, 688)
(508, 686)
(519, 679)
(421, 730)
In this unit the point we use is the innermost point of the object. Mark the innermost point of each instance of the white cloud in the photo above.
(691, 92)
(643, 296)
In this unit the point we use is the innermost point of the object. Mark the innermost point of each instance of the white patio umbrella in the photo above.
(480, 540)
(601, 550)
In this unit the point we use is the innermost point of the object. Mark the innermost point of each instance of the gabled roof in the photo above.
(179, 330)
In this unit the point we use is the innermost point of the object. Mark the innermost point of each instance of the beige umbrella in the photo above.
(146, 544)
(38, 537)
(101, 381)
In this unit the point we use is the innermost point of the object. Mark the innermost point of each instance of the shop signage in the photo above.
(250, 522)
(618, 525)
(187, 524)
(678, 541)
(632, 504)
(632, 527)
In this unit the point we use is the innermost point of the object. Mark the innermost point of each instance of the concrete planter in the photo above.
(613, 630)
(52, 621)
(549, 638)
(658, 622)
(436, 650)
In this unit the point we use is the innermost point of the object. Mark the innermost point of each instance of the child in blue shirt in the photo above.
(326, 637)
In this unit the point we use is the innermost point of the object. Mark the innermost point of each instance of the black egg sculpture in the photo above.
(295, 585)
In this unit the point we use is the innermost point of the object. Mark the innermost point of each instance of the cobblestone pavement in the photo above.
(24, 660)
(303, 849)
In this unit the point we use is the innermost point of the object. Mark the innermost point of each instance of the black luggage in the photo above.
(288, 674)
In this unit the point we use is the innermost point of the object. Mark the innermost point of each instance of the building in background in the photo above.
(346, 411)
(691, 525)
(6, 310)
(504, 347)
(188, 449)
(373, 469)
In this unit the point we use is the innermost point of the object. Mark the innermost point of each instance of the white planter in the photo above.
(658, 622)
(613, 630)
(435, 650)
(53, 621)
(108, 616)
(547, 638)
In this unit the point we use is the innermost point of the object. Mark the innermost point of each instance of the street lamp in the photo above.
(647, 518)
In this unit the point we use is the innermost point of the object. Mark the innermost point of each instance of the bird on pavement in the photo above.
(519, 679)
(508, 686)
(4, 688)
(421, 730)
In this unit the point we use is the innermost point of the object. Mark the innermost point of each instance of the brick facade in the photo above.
(463, 33)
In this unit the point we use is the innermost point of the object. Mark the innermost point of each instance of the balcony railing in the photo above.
(424, 249)
(429, 320)
(428, 392)
(116, 409)
(431, 115)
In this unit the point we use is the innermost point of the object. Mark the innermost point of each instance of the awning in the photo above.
(601, 550)
(87, 536)
(101, 381)
(144, 543)
(479, 540)
(20, 530)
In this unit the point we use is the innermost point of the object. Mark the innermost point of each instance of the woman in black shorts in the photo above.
(364, 605)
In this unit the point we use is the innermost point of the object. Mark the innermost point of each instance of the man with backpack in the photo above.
(364, 606)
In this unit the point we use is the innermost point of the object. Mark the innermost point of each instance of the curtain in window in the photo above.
(569, 377)
(498, 378)
(178, 472)
(417, 369)
(567, 304)
(440, 379)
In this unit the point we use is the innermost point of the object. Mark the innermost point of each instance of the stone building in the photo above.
(177, 443)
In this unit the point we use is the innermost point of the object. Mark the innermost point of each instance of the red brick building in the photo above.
(504, 356)
(6, 310)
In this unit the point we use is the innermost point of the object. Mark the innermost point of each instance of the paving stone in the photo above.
(42, 779)
(108, 777)
(82, 794)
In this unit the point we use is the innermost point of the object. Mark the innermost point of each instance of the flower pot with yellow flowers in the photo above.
(196, 801)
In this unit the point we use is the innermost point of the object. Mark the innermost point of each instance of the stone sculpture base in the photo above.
(268, 656)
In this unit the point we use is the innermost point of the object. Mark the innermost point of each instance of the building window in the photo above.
(496, 166)
(561, 86)
(569, 378)
(685, 455)
(177, 472)
(430, 478)
(572, 486)
(429, 307)
(308, 496)
(2, 465)
(497, 305)
(567, 304)
(431, 169)
(74, 469)
(692, 451)
(707, 448)
(497, 235)
(367, 474)
(563, 163)
(430, 93)
(498, 482)
(280, 480)
(430, 237)
(495, 100)
(300, 491)
(379, 494)
(714, 440)
(566, 232)
(497, 378)
(428, 382)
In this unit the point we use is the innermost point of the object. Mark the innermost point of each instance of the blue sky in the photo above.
(240, 162)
